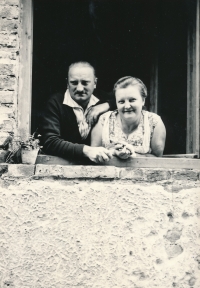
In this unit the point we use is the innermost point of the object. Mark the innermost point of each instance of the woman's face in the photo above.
(129, 102)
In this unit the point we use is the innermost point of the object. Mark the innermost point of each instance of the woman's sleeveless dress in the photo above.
(139, 138)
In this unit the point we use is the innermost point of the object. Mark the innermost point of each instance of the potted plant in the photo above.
(24, 151)
(29, 149)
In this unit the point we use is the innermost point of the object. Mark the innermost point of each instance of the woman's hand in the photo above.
(124, 150)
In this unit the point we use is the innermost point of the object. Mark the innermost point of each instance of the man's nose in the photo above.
(79, 87)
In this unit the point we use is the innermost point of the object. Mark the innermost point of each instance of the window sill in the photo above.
(138, 162)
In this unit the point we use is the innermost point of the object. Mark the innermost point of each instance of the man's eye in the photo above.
(74, 82)
(84, 83)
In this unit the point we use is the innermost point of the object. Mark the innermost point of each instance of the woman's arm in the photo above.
(158, 139)
(96, 135)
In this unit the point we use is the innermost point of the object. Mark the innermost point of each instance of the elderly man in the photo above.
(68, 118)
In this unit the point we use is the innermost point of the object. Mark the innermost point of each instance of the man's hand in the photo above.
(94, 113)
(97, 154)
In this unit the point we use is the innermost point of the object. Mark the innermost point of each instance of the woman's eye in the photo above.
(131, 100)
(120, 102)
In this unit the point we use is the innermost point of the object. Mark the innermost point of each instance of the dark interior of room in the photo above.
(119, 38)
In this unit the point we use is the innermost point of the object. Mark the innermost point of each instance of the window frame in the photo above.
(193, 76)
(25, 68)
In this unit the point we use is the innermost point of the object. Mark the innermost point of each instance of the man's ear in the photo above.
(95, 82)
(67, 83)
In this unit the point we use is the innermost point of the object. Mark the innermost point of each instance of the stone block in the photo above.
(7, 56)
(20, 170)
(8, 41)
(154, 175)
(173, 250)
(11, 2)
(7, 126)
(9, 12)
(185, 175)
(103, 172)
(8, 26)
(173, 235)
(132, 174)
(6, 113)
(144, 174)
(7, 83)
(6, 69)
(6, 97)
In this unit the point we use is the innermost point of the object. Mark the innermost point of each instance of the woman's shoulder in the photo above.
(153, 117)
(106, 115)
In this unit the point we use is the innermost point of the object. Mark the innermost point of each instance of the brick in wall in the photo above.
(6, 97)
(9, 12)
(10, 2)
(7, 83)
(9, 65)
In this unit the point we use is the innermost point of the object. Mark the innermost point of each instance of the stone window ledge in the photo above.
(39, 171)
(138, 162)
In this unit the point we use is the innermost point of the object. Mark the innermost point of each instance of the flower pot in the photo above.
(29, 156)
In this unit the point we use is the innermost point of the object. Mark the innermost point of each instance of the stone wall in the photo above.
(83, 226)
(105, 227)
(9, 66)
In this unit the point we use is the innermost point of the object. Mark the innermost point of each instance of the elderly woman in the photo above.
(130, 130)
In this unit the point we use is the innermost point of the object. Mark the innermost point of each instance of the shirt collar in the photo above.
(70, 102)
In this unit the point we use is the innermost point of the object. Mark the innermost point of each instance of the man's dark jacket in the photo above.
(59, 129)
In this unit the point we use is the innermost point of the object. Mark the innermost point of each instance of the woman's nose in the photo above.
(79, 87)
(127, 104)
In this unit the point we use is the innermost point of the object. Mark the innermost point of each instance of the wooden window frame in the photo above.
(193, 79)
(193, 90)
(25, 68)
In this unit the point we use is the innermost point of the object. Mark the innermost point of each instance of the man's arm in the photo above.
(51, 139)
(53, 144)
(106, 103)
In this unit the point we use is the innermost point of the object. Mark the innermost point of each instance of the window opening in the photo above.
(129, 38)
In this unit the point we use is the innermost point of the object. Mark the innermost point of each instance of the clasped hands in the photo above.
(124, 150)
(100, 154)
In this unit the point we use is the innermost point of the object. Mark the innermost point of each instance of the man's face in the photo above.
(81, 83)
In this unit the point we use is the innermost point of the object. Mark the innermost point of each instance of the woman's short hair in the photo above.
(131, 81)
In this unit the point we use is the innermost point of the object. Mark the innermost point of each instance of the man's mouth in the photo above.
(127, 111)
(80, 94)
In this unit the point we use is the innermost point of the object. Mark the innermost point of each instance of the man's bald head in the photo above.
(82, 64)
(81, 82)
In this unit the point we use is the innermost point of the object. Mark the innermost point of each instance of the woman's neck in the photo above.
(127, 125)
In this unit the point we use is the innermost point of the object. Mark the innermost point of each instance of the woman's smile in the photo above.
(129, 103)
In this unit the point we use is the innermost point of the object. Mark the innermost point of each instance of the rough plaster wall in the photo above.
(9, 65)
(99, 233)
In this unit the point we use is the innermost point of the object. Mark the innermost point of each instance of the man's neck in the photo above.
(84, 105)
